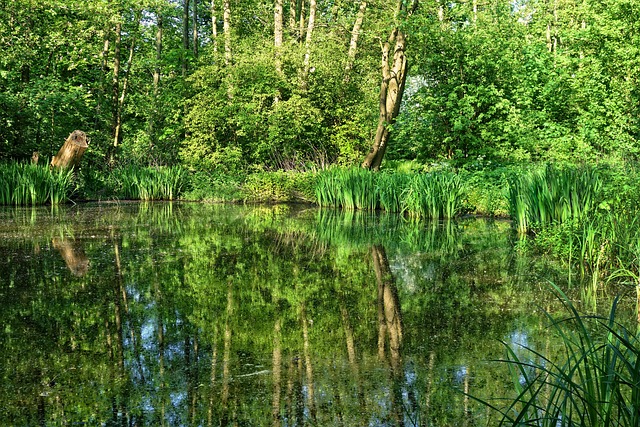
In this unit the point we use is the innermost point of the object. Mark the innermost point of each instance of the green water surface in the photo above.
(190, 314)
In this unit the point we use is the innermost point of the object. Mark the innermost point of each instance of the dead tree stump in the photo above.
(71, 152)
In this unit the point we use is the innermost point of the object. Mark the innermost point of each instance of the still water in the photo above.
(191, 314)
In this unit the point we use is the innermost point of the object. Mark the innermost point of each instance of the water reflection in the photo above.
(218, 315)
(73, 254)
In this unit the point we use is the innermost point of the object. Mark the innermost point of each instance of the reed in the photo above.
(419, 196)
(595, 383)
(552, 195)
(433, 195)
(151, 183)
(27, 184)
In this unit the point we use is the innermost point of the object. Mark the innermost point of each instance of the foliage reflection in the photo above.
(171, 314)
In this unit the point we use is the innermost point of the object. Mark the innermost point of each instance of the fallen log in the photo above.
(71, 152)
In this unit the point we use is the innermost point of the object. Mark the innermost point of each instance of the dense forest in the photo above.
(228, 85)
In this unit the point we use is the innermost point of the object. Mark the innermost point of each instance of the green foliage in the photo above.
(504, 83)
(279, 187)
(27, 184)
(205, 186)
(593, 382)
(428, 195)
(487, 185)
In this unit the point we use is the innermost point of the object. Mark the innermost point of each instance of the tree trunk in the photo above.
(301, 19)
(214, 26)
(71, 152)
(185, 36)
(307, 56)
(116, 90)
(194, 31)
(394, 69)
(292, 16)
(277, 35)
(226, 28)
(156, 80)
(353, 43)
(125, 85)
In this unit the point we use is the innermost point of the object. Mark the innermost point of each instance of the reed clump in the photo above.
(432, 195)
(552, 195)
(24, 184)
(151, 183)
(595, 380)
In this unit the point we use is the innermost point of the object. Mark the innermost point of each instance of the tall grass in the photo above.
(149, 183)
(27, 184)
(596, 383)
(552, 195)
(429, 195)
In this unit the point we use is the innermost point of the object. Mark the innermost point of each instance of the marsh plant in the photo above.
(552, 195)
(594, 381)
(432, 195)
(151, 183)
(29, 184)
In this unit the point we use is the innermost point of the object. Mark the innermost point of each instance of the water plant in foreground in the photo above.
(29, 184)
(595, 383)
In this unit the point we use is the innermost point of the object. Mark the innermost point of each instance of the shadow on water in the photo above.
(181, 314)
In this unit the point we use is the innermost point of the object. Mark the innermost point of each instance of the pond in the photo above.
(192, 314)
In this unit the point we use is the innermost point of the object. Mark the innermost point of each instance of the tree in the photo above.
(394, 75)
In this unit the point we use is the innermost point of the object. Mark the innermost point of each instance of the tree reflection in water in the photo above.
(296, 317)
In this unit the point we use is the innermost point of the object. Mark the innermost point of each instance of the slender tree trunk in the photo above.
(353, 43)
(394, 74)
(116, 90)
(123, 91)
(214, 26)
(156, 81)
(292, 16)
(195, 28)
(306, 64)
(185, 36)
(226, 28)
(277, 35)
(301, 19)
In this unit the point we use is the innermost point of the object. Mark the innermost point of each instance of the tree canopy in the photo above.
(254, 85)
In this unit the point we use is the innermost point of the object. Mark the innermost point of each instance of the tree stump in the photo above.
(71, 152)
